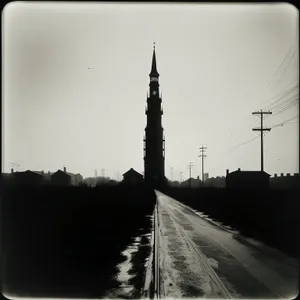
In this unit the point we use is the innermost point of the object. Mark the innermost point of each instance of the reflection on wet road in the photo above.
(199, 259)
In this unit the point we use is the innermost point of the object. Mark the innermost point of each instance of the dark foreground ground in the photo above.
(271, 216)
(67, 242)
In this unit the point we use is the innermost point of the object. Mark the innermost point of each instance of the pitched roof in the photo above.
(22, 172)
(67, 173)
(38, 172)
(71, 174)
(60, 171)
(249, 172)
(132, 171)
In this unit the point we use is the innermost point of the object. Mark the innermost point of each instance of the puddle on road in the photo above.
(134, 265)
(213, 263)
(123, 276)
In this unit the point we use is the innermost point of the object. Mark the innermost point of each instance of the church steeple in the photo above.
(154, 142)
(153, 72)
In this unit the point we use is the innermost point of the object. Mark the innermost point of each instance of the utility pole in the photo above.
(202, 155)
(190, 168)
(180, 177)
(103, 172)
(261, 129)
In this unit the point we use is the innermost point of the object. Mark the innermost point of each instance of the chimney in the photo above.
(275, 175)
(239, 169)
(43, 172)
(65, 169)
(288, 174)
(49, 173)
(281, 174)
(11, 171)
(227, 171)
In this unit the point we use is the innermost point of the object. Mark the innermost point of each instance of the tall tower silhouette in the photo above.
(154, 141)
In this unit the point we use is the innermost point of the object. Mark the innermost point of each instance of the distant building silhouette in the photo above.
(206, 176)
(288, 181)
(132, 177)
(216, 182)
(154, 141)
(64, 178)
(28, 177)
(191, 182)
(174, 183)
(247, 179)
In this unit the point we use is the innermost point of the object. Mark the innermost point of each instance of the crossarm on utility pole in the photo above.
(264, 129)
(261, 129)
(202, 155)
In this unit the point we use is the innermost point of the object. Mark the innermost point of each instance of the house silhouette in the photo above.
(132, 177)
(247, 179)
(64, 178)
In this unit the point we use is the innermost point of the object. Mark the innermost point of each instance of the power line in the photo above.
(280, 97)
(288, 123)
(234, 147)
(287, 66)
(285, 102)
(294, 45)
(281, 101)
(284, 122)
(244, 143)
(232, 133)
(285, 57)
(247, 141)
(273, 126)
(286, 107)
(279, 108)
(291, 87)
(256, 137)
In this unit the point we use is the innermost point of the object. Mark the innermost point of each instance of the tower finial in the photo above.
(153, 68)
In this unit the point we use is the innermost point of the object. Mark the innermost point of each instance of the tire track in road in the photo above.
(210, 272)
(272, 284)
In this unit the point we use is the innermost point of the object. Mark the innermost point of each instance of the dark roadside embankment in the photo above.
(271, 216)
(67, 242)
(132, 273)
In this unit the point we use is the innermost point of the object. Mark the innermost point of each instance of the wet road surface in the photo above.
(199, 259)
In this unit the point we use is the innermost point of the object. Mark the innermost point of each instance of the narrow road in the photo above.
(199, 259)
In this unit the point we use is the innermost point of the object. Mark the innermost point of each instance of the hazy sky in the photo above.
(217, 62)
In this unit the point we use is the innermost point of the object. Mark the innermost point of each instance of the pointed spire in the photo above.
(153, 68)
